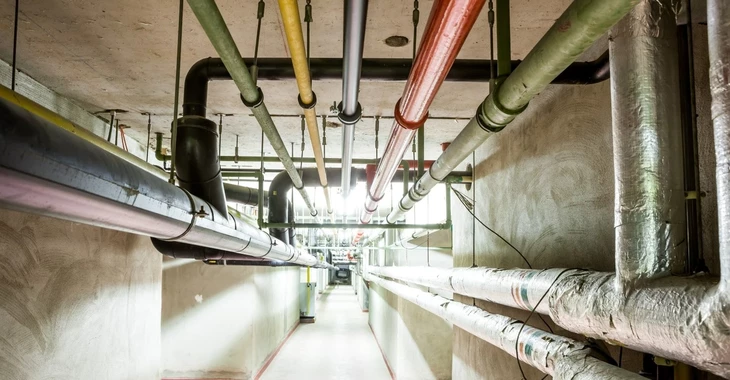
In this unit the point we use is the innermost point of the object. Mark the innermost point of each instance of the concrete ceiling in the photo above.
(121, 54)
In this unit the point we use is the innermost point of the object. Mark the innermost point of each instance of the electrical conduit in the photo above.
(215, 27)
(307, 99)
(582, 23)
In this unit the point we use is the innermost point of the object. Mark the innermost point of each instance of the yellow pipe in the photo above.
(60, 121)
(293, 29)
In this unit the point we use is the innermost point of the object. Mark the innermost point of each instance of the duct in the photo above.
(47, 170)
(215, 27)
(582, 23)
(647, 142)
(676, 318)
(376, 69)
(355, 16)
(280, 209)
(61, 122)
(718, 29)
(555, 355)
(307, 99)
(448, 26)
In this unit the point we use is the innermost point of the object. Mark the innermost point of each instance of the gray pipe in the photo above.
(350, 110)
(718, 31)
(215, 27)
(50, 171)
(582, 23)
(647, 145)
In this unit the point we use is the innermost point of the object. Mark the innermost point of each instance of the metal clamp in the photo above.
(256, 102)
(349, 119)
(195, 214)
(305, 105)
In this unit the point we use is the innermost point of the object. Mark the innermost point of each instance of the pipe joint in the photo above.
(256, 102)
(307, 106)
(492, 115)
(349, 119)
(406, 123)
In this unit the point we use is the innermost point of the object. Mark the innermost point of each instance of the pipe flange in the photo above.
(405, 123)
(492, 116)
(193, 220)
(257, 102)
(306, 106)
(349, 119)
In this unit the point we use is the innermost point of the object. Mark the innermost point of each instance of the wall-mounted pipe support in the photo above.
(575, 31)
(447, 29)
(350, 111)
(215, 27)
(307, 99)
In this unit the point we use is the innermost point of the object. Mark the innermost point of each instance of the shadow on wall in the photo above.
(223, 322)
(69, 292)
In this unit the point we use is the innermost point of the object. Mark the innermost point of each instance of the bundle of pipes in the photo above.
(448, 26)
(215, 27)
(640, 306)
(555, 355)
(307, 99)
(47, 170)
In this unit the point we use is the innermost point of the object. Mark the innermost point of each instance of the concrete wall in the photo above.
(224, 321)
(76, 302)
(416, 343)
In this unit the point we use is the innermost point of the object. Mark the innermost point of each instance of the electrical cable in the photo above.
(532, 312)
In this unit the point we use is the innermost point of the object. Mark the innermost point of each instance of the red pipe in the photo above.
(448, 26)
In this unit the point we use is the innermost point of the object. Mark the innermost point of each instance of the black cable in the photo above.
(15, 43)
(620, 356)
(532, 312)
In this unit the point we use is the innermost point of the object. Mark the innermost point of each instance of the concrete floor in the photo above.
(339, 345)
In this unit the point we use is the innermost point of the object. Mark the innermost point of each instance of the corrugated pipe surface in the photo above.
(448, 26)
(49, 171)
(676, 318)
(647, 145)
(555, 355)
(584, 22)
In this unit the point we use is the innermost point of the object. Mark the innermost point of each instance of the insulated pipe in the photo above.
(718, 31)
(307, 99)
(676, 318)
(582, 23)
(215, 27)
(59, 121)
(555, 355)
(647, 145)
(448, 26)
(242, 194)
(350, 110)
(49, 171)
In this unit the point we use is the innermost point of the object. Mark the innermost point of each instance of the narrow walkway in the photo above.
(339, 345)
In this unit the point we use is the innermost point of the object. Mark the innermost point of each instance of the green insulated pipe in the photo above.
(215, 27)
(584, 22)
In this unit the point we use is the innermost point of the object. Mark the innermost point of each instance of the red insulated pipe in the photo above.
(448, 26)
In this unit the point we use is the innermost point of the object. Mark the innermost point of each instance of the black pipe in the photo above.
(244, 195)
(280, 209)
(377, 69)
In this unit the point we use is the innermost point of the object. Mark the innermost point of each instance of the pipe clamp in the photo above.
(349, 119)
(305, 105)
(256, 102)
(405, 123)
(492, 116)
(195, 217)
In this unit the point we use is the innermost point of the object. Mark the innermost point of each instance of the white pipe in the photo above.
(676, 318)
(555, 355)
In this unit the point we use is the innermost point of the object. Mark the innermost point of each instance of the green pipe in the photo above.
(504, 48)
(584, 22)
(421, 154)
(441, 226)
(158, 148)
(215, 27)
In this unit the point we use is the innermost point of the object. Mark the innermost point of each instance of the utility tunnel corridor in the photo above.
(341, 330)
